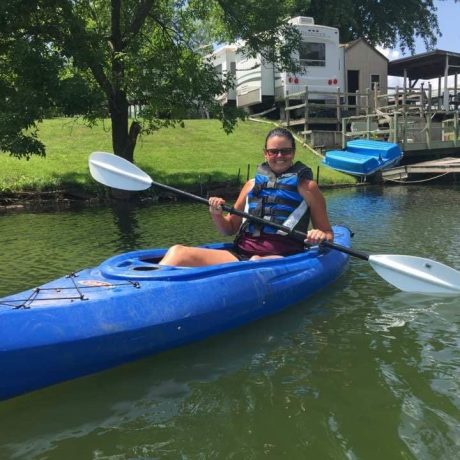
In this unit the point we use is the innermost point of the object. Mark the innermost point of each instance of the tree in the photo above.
(97, 57)
(389, 23)
(100, 56)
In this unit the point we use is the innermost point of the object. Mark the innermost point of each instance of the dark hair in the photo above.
(281, 132)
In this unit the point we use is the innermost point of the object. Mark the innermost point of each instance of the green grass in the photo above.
(200, 153)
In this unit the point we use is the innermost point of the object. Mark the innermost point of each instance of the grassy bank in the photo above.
(198, 155)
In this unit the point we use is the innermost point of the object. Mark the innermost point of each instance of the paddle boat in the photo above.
(129, 307)
(363, 157)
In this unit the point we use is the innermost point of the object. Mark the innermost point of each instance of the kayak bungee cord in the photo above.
(25, 304)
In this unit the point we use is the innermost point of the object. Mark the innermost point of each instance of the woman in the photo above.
(283, 192)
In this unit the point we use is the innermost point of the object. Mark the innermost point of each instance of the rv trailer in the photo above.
(255, 80)
(223, 60)
(259, 83)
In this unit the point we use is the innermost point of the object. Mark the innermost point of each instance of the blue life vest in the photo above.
(276, 198)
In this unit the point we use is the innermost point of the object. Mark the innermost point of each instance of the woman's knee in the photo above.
(175, 254)
(177, 249)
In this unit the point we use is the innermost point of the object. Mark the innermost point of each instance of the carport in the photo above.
(427, 66)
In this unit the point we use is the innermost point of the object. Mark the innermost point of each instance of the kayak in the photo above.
(129, 307)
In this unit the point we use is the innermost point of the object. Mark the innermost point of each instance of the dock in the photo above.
(438, 167)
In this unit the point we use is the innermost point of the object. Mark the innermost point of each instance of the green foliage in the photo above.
(95, 58)
(28, 82)
(79, 95)
(98, 57)
(385, 22)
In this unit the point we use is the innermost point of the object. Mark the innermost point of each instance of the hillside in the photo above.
(196, 157)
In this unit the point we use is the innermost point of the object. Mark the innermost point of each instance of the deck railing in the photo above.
(399, 127)
(417, 100)
(451, 130)
(318, 107)
(409, 116)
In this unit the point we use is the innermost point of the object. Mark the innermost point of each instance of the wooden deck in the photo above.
(441, 166)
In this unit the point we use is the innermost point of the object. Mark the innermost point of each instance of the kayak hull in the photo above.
(128, 307)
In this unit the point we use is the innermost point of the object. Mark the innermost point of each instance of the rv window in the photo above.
(233, 68)
(312, 54)
(219, 69)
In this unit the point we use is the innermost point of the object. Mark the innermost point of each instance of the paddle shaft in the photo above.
(293, 233)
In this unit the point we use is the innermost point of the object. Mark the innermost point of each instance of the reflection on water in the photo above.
(125, 220)
(358, 367)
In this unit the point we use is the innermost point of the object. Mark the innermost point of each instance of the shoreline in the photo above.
(59, 200)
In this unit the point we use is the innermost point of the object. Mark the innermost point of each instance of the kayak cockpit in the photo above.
(143, 265)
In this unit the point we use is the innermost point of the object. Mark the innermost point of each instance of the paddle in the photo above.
(407, 273)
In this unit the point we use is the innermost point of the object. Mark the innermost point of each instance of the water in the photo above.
(361, 371)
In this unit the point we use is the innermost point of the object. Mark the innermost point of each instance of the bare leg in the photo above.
(185, 256)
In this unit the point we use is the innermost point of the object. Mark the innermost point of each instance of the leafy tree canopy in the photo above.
(97, 57)
(389, 23)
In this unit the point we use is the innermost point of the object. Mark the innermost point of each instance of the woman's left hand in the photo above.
(315, 236)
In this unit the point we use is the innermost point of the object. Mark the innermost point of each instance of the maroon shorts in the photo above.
(267, 244)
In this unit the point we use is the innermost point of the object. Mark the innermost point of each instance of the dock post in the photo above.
(288, 112)
(439, 93)
(455, 91)
(404, 134)
(428, 131)
(422, 99)
(306, 114)
(368, 100)
(338, 111)
(428, 118)
(376, 99)
(456, 128)
(395, 130)
(446, 89)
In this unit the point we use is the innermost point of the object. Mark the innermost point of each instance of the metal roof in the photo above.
(425, 66)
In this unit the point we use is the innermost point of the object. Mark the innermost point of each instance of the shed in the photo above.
(365, 67)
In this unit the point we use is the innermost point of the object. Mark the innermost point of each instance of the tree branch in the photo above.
(140, 16)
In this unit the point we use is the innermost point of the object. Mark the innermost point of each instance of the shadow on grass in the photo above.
(82, 185)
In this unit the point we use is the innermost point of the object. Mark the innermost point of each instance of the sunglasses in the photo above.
(283, 152)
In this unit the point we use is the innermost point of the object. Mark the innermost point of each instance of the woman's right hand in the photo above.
(215, 205)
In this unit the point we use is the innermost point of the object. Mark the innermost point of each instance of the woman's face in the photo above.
(279, 154)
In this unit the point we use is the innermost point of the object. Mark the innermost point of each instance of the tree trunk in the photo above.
(119, 117)
(123, 140)
(120, 141)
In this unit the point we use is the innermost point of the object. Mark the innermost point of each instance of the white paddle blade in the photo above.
(116, 172)
(416, 274)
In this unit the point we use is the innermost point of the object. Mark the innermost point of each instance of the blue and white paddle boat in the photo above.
(363, 157)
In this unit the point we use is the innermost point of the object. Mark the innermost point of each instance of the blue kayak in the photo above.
(129, 307)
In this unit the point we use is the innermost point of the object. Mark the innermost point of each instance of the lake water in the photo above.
(361, 371)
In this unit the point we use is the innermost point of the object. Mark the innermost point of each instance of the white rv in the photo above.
(223, 59)
(255, 80)
(320, 56)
